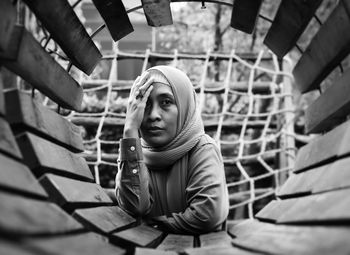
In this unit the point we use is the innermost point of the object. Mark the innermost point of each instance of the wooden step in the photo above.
(104, 219)
(330, 108)
(59, 18)
(177, 243)
(46, 74)
(324, 149)
(17, 177)
(291, 19)
(87, 244)
(73, 194)
(8, 144)
(323, 55)
(21, 216)
(115, 17)
(26, 113)
(220, 238)
(43, 156)
(245, 14)
(140, 236)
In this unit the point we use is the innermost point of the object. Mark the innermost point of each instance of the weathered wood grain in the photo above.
(104, 219)
(176, 243)
(82, 244)
(245, 14)
(291, 19)
(140, 236)
(65, 28)
(302, 183)
(43, 156)
(225, 250)
(281, 239)
(17, 177)
(116, 19)
(38, 68)
(26, 113)
(21, 216)
(157, 12)
(273, 210)
(323, 55)
(330, 108)
(8, 143)
(220, 238)
(326, 207)
(72, 194)
(324, 148)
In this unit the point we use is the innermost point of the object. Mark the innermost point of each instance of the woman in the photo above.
(174, 175)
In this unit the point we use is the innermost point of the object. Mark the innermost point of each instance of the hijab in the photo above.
(174, 156)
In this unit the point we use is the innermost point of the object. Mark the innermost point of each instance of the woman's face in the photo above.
(159, 123)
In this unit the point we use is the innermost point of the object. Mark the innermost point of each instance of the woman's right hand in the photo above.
(139, 93)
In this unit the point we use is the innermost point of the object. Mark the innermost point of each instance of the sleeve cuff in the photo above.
(130, 149)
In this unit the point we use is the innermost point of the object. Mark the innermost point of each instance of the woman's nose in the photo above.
(154, 113)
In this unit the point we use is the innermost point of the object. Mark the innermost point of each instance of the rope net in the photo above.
(246, 106)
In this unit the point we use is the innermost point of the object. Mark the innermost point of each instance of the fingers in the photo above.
(146, 95)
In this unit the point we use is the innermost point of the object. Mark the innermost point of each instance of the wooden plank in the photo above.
(43, 156)
(290, 21)
(87, 244)
(337, 176)
(327, 207)
(140, 236)
(302, 183)
(65, 28)
(8, 143)
(245, 14)
(273, 211)
(220, 238)
(330, 108)
(149, 251)
(24, 113)
(323, 55)
(11, 247)
(104, 219)
(21, 216)
(217, 250)
(157, 12)
(114, 14)
(324, 148)
(17, 177)
(71, 194)
(7, 24)
(46, 74)
(279, 239)
(176, 243)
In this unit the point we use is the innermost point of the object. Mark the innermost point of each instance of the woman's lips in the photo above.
(154, 130)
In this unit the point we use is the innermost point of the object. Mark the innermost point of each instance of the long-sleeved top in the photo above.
(197, 205)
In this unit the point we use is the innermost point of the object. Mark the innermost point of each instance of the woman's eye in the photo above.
(166, 102)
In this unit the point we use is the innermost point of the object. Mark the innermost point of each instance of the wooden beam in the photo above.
(26, 113)
(65, 28)
(38, 68)
(72, 194)
(323, 55)
(114, 14)
(25, 217)
(8, 143)
(324, 149)
(140, 236)
(291, 19)
(86, 243)
(177, 243)
(104, 219)
(331, 108)
(245, 14)
(43, 156)
(17, 177)
(157, 12)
